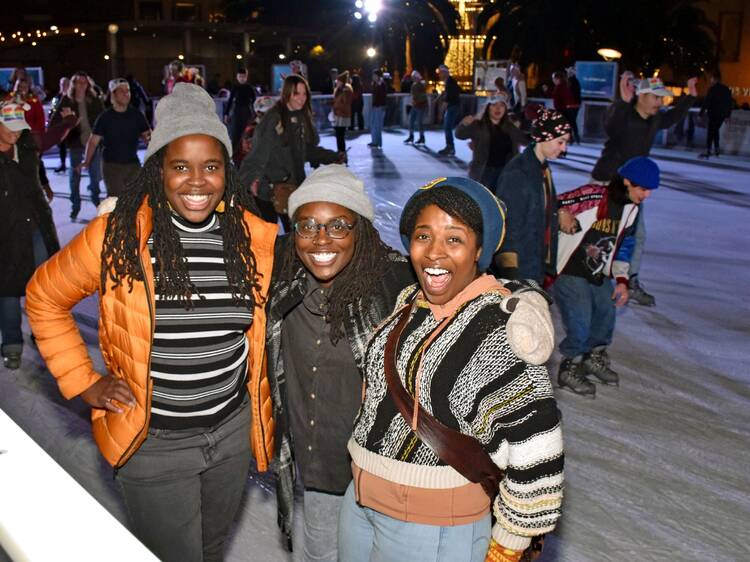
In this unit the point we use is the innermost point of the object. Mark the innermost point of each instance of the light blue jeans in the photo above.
(377, 118)
(640, 242)
(74, 177)
(368, 536)
(321, 526)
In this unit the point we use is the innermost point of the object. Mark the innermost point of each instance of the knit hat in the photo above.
(188, 110)
(549, 125)
(652, 86)
(497, 97)
(641, 171)
(12, 115)
(333, 183)
(492, 209)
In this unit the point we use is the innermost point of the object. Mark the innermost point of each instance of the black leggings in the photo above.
(340, 138)
(712, 135)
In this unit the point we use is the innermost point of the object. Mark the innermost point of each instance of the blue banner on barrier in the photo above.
(598, 79)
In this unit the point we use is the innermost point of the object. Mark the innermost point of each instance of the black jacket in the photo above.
(630, 135)
(718, 102)
(94, 107)
(22, 206)
(480, 133)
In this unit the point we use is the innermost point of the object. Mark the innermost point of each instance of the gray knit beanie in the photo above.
(334, 183)
(188, 110)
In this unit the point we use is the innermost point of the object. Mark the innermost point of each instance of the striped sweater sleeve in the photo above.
(530, 496)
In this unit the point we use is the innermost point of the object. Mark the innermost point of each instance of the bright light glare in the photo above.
(609, 54)
(357, 16)
(371, 52)
(373, 6)
(372, 17)
(358, 4)
(282, 56)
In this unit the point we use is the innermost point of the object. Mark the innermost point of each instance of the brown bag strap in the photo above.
(462, 452)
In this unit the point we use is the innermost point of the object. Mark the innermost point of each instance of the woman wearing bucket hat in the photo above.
(334, 282)
(495, 140)
(596, 251)
(527, 189)
(453, 421)
(182, 268)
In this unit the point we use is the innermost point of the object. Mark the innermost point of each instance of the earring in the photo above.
(220, 207)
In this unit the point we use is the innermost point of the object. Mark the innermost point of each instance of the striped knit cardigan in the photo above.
(473, 382)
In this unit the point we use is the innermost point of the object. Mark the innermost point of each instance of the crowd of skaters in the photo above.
(247, 324)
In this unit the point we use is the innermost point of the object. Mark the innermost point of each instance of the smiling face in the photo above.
(194, 173)
(444, 252)
(325, 257)
(636, 193)
(298, 97)
(552, 149)
(121, 95)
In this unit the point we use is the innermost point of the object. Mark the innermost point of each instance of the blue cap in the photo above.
(492, 209)
(641, 171)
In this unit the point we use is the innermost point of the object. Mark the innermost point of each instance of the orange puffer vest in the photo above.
(125, 334)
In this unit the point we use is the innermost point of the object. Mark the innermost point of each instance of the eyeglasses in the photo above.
(336, 228)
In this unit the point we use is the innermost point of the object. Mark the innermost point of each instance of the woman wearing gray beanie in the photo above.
(333, 282)
(182, 267)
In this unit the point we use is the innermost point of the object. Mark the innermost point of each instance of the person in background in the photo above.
(261, 106)
(334, 281)
(458, 416)
(564, 102)
(34, 115)
(64, 85)
(87, 106)
(377, 112)
(358, 104)
(182, 267)
(575, 90)
(494, 140)
(342, 109)
(118, 129)
(27, 229)
(718, 104)
(595, 248)
(518, 89)
(419, 105)
(450, 101)
(527, 188)
(238, 111)
(282, 143)
(501, 87)
(632, 123)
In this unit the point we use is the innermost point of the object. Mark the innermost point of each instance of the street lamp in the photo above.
(609, 54)
(371, 52)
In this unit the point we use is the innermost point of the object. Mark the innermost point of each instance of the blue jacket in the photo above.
(525, 254)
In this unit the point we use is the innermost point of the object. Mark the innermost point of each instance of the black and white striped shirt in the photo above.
(199, 356)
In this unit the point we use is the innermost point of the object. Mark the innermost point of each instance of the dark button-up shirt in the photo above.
(324, 391)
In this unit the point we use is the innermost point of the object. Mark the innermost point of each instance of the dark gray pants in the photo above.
(182, 488)
(116, 177)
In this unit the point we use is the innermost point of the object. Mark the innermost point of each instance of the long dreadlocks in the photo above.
(120, 251)
(355, 281)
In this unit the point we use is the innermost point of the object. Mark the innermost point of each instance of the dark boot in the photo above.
(597, 363)
(570, 377)
(638, 295)
(12, 360)
(409, 139)
(421, 140)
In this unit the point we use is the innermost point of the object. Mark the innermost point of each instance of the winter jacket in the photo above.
(589, 204)
(94, 107)
(279, 156)
(23, 206)
(359, 324)
(419, 94)
(524, 253)
(480, 134)
(718, 102)
(342, 101)
(630, 135)
(126, 326)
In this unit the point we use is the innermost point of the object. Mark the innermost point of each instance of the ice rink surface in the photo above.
(657, 469)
